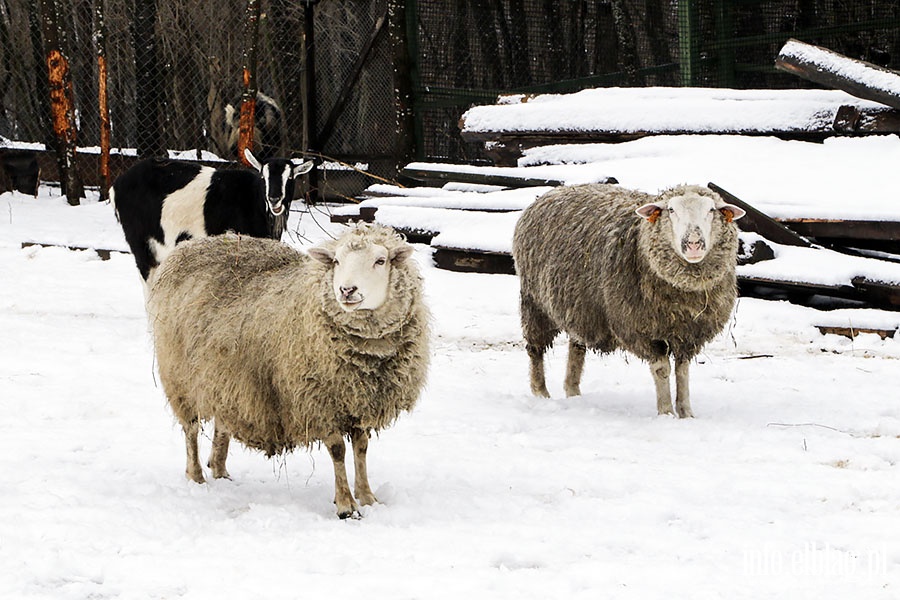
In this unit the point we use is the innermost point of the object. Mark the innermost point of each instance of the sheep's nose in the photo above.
(347, 291)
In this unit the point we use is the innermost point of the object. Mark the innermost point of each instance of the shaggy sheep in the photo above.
(284, 350)
(618, 268)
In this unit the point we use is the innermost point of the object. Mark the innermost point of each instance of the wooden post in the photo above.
(856, 77)
(248, 80)
(403, 88)
(688, 38)
(412, 44)
(102, 96)
(310, 139)
(62, 101)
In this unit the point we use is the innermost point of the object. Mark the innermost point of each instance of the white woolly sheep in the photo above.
(284, 350)
(618, 268)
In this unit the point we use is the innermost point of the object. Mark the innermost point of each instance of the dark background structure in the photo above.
(389, 79)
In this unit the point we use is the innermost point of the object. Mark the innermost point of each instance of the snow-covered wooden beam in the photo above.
(856, 77)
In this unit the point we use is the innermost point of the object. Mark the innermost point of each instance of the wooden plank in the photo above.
(103, 253)
(874, 294)
(851, 119)
(844, 228)
(834, 70)
(761, 223)
(884, 294)
(852, 332)
(505, 148)
(473, 261)
(442, 175)
(366, 214)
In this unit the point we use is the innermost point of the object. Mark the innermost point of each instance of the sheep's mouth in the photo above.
(350, 304)
(693, 252)
(276, 209)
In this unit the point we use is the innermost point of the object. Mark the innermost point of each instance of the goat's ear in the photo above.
(252, 160)
(322, 254)
(303, 168)
(650, 211)
(401, 253)
(731, 212)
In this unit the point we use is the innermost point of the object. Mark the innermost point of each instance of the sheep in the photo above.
(618, 268)
(162, 202)
(285, 350)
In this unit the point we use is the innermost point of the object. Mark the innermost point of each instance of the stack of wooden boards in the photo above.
(468, 213)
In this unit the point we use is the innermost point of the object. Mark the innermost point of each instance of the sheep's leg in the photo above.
(221, 439)
(682, 389)
(661, 369)
(193, 470)
(361, 489)
(536, 371)
(539, 332)
(574, 368)
(346, 505)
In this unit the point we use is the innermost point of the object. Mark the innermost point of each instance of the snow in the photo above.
(825, 60)
(785, 485)
(665, 110)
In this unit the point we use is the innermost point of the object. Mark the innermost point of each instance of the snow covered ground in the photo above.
(785, 485)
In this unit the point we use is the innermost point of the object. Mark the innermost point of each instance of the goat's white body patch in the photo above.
(182, 212)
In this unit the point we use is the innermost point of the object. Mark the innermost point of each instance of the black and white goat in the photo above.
(162, 202)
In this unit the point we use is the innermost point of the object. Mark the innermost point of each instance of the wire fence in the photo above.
(180, 76)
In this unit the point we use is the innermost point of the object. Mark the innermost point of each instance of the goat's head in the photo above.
(361, 270)
(277, 177)
(695, 215)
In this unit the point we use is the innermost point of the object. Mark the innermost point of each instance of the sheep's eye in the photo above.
(336, 262)
(380, 261)
(671, 210)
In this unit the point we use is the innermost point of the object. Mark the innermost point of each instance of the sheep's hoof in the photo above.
(685, 413)
(196, 477)
(349, 514)
(366, 499)
(573, 391)
(663, 410)
(223, 474)
(540, 392)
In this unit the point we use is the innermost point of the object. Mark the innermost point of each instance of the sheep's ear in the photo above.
(732, 212)
(252, 159)
(322, 254)
(650, 211)
(401, 253)
(303, 168)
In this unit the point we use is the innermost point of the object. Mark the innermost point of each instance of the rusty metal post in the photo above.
(248, 80)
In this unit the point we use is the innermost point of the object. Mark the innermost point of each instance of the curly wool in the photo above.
(591, 267)
(248, 332)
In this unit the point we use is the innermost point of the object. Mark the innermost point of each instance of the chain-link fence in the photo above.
(175, 66)
(495, 46)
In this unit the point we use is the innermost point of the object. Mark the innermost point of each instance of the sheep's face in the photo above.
(362, 273)
(693, 218)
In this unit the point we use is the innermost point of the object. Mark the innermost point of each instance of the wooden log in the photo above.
(852, 332)
(504, 149)
(443, 175)
(366, 214)
(761, 223)
(859, 78)
(103, 253)
(844, 228)
(473, 261)
(757, 252)
(886, 295)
